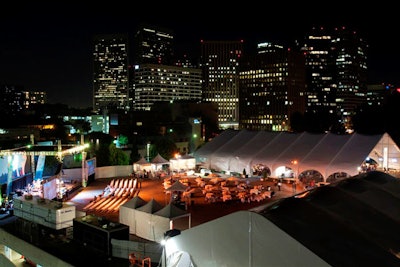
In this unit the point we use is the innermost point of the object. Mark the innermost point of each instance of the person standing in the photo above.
(132, 259)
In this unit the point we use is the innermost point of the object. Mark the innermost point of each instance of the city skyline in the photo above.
(52, 51)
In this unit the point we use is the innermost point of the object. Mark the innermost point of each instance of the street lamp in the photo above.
(296, 176)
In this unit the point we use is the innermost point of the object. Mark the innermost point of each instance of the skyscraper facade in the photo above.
(111, 73)
(156, 83)
(220, 62)
(351, 69)
(272, 88)
(157, 77)
(321, 69)
(336, 60)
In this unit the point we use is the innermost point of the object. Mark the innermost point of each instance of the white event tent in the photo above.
(141, 165)
(185, 162)
(127, 212)
(150, 220)
(158, 162)
(328, 153)
(242, 238)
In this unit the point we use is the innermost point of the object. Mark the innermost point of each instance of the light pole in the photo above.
(296, 176)
(84, 169)
(148, 151)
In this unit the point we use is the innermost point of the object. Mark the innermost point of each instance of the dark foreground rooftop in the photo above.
(355, 222)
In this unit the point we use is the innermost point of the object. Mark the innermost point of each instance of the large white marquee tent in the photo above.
(238, 150)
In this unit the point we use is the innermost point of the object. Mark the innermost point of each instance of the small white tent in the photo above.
(150, 220)
(143, 217)
(127, 212)
(163, 219)
(158, 162)
(141, 165)
(177, 187)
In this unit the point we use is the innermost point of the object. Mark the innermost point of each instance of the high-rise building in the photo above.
(272, 88)
(161, 83)
(320, 61)
(157, 76)
(154, 45)
(220, 65)
(336, 62)
(111, 73)
(351, 69)
(11, 100)
(33, 97)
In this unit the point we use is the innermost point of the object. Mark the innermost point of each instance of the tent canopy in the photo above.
(141, 161)
(177, 186)
(242, 238)
(328, 153)
(150, 207)
(134, 203)
(172, 212)
(150, 220)
(141, 165)
(159, 160)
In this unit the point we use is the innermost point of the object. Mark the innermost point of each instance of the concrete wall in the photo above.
(113, 171)
(101, 172)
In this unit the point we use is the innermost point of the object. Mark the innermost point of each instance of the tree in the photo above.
(165, 147)
(123, 140)
(117, 156)
(100, 148)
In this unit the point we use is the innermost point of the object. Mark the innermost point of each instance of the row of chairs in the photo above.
(115, 194)
(105, 204)
(123, 183)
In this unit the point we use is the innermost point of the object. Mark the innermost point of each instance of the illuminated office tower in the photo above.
(351, 69)
(161, 83)
(272, 88)
(158, 77)
(111, 73)
(336, 73)
(220, 65)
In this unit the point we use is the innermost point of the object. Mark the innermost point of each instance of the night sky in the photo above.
(47, 46)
